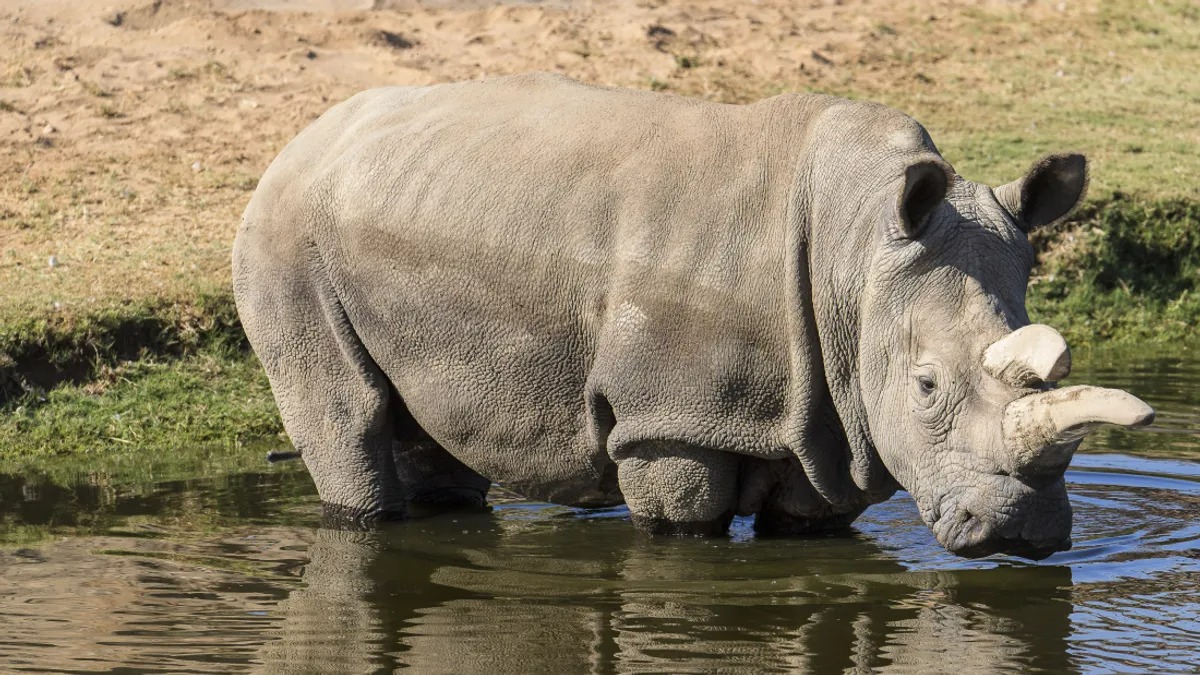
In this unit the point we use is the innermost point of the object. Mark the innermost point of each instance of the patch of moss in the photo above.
(1125, 270)
(213, 398)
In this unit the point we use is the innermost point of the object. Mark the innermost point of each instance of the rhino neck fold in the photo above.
(836, 288)
(840, 202)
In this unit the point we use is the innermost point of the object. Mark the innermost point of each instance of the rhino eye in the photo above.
(927, 384)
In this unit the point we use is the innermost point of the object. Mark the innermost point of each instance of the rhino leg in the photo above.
(334, 400)
(431, 478)
(782, 499)
(673, 488)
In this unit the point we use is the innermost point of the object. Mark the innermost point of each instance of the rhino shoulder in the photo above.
(875, 127)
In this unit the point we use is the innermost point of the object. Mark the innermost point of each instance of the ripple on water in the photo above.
(233, 573)
(562, 590)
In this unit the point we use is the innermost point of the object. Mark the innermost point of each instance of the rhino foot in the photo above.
(339, 517)
(699, 528)
(780, 524)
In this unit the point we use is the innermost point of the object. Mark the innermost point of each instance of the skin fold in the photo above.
(595, 296)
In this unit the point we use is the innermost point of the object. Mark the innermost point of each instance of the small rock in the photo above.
(29, 554)
(197, 167)
(821, 58)
(113, 18)
(52, 261)
(394, 40)
(48, 129)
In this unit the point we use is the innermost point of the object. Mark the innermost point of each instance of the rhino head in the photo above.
(958, 389)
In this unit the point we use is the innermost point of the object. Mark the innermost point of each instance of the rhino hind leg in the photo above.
(334, 400)
(431, 478)
(677, 489)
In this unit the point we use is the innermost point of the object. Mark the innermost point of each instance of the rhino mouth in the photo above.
(1002, 515)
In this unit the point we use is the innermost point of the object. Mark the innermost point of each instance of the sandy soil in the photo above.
(133, 131)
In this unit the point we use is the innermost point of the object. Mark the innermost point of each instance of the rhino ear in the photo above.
(925, 185)
(1048, 193)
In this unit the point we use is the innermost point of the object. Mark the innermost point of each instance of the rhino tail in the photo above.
(282, 455)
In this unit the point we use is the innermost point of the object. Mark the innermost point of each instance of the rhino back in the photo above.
(501, 246)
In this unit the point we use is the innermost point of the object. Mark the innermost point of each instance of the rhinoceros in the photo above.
(790, 309)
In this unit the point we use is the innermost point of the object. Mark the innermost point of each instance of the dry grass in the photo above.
(130, 150)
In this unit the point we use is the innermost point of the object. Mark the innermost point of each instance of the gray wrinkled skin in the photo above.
(593, 296)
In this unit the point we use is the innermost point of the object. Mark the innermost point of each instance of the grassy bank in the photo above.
(130, 151)
(1125, 271)
(211, 398)
(146, 376)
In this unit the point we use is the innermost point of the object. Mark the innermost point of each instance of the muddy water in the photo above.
(204, 563)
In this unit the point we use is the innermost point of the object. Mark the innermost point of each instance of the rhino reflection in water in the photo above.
(441, 601)
(589, 295)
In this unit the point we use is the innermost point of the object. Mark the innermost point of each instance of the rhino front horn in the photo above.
(1029, 356)
(1041, 429)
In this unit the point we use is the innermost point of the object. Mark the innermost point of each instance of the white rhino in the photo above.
(591, 295)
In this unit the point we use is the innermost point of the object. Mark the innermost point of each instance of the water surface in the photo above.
(216, 563)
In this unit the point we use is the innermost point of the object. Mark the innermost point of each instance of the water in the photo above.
(211, 563)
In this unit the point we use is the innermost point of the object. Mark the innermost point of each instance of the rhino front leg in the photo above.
(677, 489)
(334, 400)
(784, 501)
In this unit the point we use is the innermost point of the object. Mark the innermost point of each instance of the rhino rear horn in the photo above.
(1029, 356)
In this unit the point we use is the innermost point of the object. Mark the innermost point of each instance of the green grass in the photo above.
(84, 340)
(213, 398)
(1126, 272)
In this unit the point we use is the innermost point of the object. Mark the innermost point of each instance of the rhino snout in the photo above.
(1004, 515)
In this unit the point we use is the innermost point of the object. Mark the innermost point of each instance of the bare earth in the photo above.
(133, 132)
